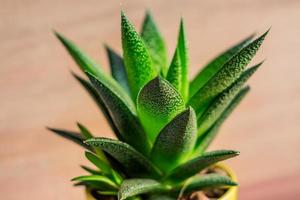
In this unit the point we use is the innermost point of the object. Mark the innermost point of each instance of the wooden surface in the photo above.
(37, 89)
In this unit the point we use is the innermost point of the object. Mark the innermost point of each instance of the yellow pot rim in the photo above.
(230, 194)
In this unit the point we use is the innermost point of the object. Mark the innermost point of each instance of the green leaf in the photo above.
(133, 187)
(214, 111)
(215, 65)
(155, 44)
(176, 141)
(100, 181)
(117, 68)
(98, 162)
(87, 65)
(123, 116)
(201, 182)
(174, 75)
(178, 70)
(199, 163)
(107, 193)
(96, 97)
(70, 135)
(225, 76)
(137, 59)
(86, 134)
(158, 103)
(90, 170)
(83, 60)
(103, 166)
(204, 141)
(134, 162)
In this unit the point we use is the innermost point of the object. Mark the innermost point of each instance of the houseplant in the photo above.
(162, 121)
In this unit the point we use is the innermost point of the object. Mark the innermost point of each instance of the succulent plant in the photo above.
(162, 121)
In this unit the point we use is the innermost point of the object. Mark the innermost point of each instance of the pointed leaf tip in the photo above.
(86, 134)
(213, 180)
(117, 68)
(70, 135)
(223, 100)
(174, 75)
(137, 59)
(84, 62)
(158, 103)
(123, 13)
(154, 43)
(225, 76)
(96, 180)
(199, 163)
(175, 141)
(214, 65)
(178, 70)
(204, 141)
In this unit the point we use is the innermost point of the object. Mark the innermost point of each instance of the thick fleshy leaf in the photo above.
(90, 170)
(99, 180)
(93, 184)
(98, 162)
(105, 193)
(133, 162)
(176, 140)
(82, 59)
(124, 117)
(87, 65)
(134, 187)
(199, 163)
(96, 97)
(225, 76)
(117, 68)
(70, 135)
(207, 181)
(174, 75)
(155, 44)
(204, 141)
(105, 168)
(86, 134)
(213, 67)
(158, 103)
(178, 71)
(137, 59)
(222, 101)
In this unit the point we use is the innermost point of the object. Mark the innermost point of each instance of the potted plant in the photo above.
(162, 121)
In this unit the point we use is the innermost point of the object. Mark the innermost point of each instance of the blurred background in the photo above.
(37, 89)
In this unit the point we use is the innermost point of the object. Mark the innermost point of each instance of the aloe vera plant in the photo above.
(163, 122)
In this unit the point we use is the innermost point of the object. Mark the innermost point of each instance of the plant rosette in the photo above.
(230, 193)
(163, 122)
